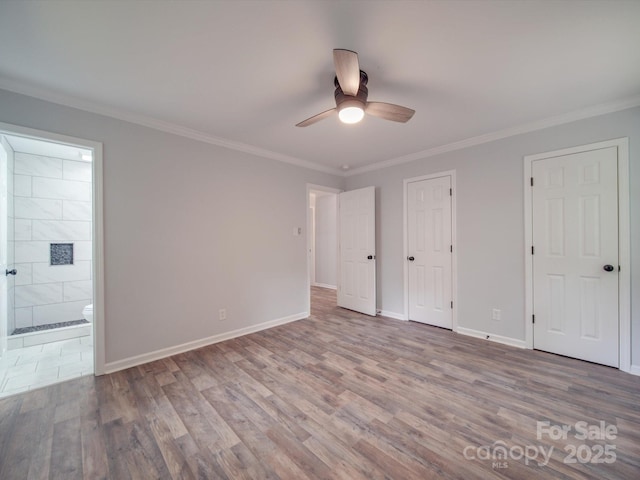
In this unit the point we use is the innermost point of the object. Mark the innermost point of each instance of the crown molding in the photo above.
(576, 115)
(120, 114)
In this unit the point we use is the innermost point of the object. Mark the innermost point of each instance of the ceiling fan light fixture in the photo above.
(350, 111)
(351, 95)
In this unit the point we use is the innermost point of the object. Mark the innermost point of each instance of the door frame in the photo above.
(624, 241)
(4, 245)
(97, 228)
(454, 254)
(311, 187)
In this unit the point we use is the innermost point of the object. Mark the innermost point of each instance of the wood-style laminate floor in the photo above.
(338, 395)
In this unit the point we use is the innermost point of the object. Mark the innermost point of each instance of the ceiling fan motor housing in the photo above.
(360, 100)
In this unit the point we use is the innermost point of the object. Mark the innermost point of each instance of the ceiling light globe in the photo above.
(351, 114)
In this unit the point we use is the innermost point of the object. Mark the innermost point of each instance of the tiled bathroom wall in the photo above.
(52, 205)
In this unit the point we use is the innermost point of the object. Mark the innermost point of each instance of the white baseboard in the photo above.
(203, 342)
(634, 370)
(324, 285)
(513, 342)
(394, 315)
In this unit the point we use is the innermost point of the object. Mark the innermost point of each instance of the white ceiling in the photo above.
(243, 73)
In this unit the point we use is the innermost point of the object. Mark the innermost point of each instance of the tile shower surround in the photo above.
(52, 205)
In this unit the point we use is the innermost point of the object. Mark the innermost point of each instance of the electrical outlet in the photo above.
(223, 314)
(496, 314)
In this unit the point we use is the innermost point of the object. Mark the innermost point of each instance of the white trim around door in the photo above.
(624, 295)
(97, 225)
(454, 261)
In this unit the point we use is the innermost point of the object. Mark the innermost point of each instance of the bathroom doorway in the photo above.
(322, 238)
(48, 259)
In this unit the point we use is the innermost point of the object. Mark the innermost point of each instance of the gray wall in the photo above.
(490, 220)
(189, 228)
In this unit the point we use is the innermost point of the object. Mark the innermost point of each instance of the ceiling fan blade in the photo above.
(347, 70)
(389, 111)
(315, 118)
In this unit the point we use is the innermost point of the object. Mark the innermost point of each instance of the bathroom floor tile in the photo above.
(41, 365)
(49, 348)
(16, 352)
(33, 357)
(76, 369)
(25, 369)
(36, 378)
(28, 358)
(87, 357)
(76, 348)
(7, 362)
(6, 392)
(58, 360)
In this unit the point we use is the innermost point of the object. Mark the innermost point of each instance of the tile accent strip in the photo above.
(49, 326)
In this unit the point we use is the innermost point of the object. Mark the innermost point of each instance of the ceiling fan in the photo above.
(351, 95)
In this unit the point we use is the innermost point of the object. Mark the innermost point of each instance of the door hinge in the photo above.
(451, 192)
(533, 250)
(533, 319)
(451, 248)
(451, 303)
(532, 181)
(619, 268)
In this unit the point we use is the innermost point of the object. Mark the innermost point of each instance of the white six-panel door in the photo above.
(357, 280)
(429, 229)
(575, 256)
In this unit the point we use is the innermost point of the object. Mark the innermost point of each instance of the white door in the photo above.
(575, 255)
(429, 251)
(357, 280)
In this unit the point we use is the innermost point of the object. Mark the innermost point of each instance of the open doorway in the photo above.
(49, 219)
(322, 238)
